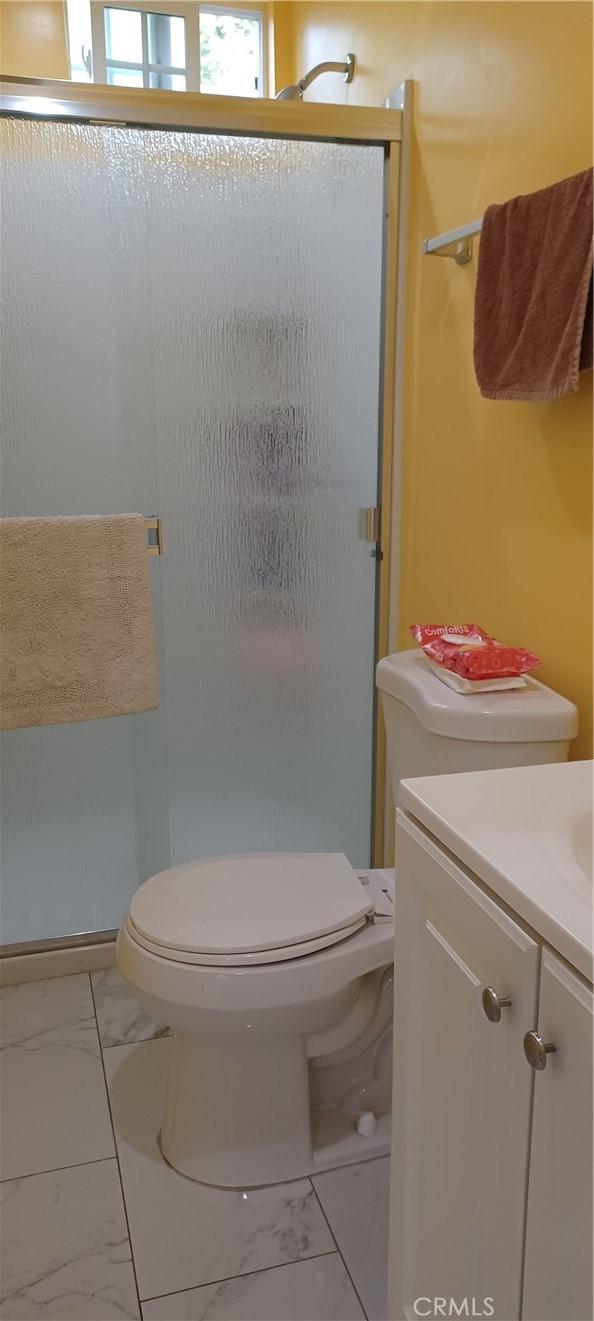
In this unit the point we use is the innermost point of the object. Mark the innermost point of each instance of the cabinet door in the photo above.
(558, 1272)
(462, 1092)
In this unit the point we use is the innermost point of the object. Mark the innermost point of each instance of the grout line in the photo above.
(136, 1041)
(230, 1279)
(335, 1240)
(117, 1156)
(348, 1164)
(55, 1169)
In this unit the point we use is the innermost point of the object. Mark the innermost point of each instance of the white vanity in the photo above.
(492, 1139)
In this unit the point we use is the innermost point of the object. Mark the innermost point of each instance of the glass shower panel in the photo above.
(192, 328)
(264, 261)
(84, 808)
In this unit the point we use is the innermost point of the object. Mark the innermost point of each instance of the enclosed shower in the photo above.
(193, 328)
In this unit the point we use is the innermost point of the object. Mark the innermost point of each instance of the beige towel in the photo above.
(76, 634)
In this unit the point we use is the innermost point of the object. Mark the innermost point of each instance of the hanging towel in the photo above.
(76, 632)
(533, 304)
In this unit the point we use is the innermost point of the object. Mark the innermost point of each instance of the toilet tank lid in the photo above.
(534, 714)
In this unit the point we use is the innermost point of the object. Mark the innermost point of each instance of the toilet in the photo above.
(275, 969)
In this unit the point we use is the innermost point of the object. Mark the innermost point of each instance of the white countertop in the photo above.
(525, 832)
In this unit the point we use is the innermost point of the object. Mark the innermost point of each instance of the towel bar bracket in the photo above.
(461, 251)
(456, 243)
(154, 536)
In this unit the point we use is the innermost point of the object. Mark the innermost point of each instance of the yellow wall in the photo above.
(33, 39)
(282, 22)
(497, 497)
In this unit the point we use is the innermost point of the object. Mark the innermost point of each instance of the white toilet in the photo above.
(274, 970)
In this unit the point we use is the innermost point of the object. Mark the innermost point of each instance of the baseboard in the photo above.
(61, 962)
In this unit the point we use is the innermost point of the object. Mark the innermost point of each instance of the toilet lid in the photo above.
(246, 903)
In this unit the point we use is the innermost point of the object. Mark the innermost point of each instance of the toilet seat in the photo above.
(256, 958)
(249, 909)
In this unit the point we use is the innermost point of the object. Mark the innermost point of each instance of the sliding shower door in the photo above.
(192, 329)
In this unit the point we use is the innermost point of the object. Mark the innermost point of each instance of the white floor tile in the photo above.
(315, 1290)
(355, 1200)
(65, 1247)
(54, 1105)
(185, 1234)
(119, 1015)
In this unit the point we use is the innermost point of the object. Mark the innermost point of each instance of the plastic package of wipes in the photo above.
(466, 650)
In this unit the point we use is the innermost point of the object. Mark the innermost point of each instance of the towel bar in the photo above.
(460, 240)
(154, 535)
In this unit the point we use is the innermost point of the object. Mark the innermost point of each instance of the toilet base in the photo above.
(228, 1123)
(339, 1144)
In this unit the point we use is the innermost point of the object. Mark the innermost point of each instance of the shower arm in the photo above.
(294, 92)
(346, 66)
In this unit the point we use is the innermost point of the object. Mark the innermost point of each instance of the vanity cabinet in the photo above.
(485, 1209)
(558, 1269)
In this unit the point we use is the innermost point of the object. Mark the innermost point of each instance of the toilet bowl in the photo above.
(274, 972)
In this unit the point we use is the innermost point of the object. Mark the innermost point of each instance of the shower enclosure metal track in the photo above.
(193, 111)
(56, 943)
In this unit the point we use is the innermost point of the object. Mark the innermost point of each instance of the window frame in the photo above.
(189, 10)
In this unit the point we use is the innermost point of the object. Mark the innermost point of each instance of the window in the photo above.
(230, 52)
(180, 47)
(144, 49)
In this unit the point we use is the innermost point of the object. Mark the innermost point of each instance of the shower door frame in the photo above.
(303, 121)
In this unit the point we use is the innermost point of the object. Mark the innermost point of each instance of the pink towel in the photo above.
(533, 304)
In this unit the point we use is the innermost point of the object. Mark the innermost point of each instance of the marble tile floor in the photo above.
(95, 1225)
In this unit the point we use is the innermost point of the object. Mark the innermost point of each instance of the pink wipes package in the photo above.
(468, 651)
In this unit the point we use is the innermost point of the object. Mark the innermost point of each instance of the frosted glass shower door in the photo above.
(84, 806)
(192, 329)
(265, 294)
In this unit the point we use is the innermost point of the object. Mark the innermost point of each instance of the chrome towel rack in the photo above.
(456, 243)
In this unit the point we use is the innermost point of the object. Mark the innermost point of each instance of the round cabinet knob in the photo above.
(493, 1004)
(536, 1050)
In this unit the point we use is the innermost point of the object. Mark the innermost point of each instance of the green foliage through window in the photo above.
(230, 54)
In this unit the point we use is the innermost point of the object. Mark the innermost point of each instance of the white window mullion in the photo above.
(193, 49)
(145, 49)
(166, 68)
(124, 64)
(98, 34)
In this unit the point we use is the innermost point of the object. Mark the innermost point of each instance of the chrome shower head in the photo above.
(294, 92)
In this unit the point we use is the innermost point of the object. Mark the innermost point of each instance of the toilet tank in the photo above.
(432, 730)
